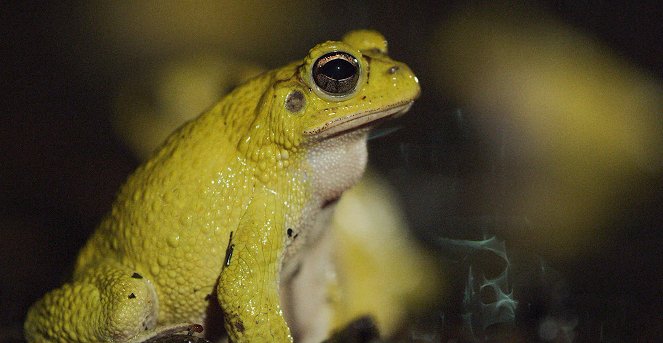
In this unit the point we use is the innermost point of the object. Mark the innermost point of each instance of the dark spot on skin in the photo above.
(295, 236)
(289, 232)
(229, 254)
(363, 97)
(136, 276)
(132, 296)
(229, 250)
(295, 101)
(195, 328)
(195, 290)
(239, 326)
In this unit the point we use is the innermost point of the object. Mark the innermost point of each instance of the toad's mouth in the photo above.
(358, 120)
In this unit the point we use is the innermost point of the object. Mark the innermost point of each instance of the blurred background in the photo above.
(529, 173)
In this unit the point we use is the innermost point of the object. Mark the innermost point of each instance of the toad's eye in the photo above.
(336, 73)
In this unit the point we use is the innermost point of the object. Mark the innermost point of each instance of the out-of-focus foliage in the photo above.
(150, 107)
(382, 271)
(586, 124)
(247, 29)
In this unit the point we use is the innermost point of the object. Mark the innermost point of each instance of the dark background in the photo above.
(61, 163)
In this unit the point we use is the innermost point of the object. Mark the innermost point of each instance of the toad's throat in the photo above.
(356, 120)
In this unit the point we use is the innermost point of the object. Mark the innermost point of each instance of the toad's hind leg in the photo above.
(105, 303)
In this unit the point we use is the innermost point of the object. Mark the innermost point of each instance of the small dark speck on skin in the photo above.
(229, 250)
(136, 276)
(195, 328)
(132, 296)
(229, 254)
(239, 326)
(363, 97)
(289, 232)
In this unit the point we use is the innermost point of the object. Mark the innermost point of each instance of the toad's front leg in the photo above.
(249, 281)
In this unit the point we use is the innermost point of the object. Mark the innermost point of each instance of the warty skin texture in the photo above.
(227, 208)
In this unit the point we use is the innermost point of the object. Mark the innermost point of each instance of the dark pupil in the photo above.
(338, 69)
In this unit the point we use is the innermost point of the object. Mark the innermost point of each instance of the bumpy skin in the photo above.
(227, 207)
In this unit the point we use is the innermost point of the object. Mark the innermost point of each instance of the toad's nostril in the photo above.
(393, 70)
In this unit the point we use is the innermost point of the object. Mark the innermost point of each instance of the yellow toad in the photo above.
(228, 209)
